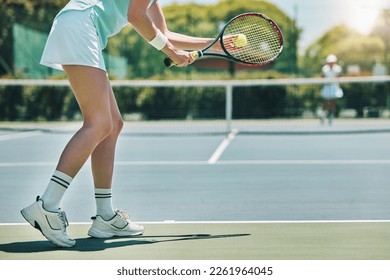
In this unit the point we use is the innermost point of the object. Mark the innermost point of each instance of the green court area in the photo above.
(210, 241)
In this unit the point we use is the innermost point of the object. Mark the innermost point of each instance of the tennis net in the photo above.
(270, 106)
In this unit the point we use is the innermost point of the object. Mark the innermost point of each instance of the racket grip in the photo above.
(195, 54)
(168, 62)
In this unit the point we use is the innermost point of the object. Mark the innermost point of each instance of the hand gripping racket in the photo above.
(249, 38)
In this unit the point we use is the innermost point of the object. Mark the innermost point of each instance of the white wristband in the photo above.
(159, 41)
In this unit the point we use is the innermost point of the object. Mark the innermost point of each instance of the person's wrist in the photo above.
(169, 49)
(160, 41)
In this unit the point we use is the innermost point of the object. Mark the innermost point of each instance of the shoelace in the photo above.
(123, 214)
(126, 218)
(64, 221)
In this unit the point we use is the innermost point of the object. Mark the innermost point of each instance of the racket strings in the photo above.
(264, 41)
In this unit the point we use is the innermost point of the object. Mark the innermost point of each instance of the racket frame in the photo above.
(226, 55)
(231, 57)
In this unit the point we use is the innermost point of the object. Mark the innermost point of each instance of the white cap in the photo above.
(331, 58)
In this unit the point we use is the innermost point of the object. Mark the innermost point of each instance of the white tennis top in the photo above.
(109, 16)
(333, 72)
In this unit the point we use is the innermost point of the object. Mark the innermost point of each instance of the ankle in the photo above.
(104, 208)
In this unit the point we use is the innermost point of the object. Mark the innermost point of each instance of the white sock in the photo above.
(104, 206)
(55, 190)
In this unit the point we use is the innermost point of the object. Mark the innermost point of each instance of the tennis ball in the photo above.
(240, 41)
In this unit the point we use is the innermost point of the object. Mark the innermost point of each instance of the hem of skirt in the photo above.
(58, 66)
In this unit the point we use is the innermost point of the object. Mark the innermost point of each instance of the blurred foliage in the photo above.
(45, 103)
(381, 30)
(350, 46)
(36, 14)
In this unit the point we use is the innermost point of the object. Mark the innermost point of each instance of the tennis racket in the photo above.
(250, 38)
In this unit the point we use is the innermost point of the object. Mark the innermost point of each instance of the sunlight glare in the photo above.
(361, 17)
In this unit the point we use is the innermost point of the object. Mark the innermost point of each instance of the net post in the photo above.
(229, 107)
(387, 89)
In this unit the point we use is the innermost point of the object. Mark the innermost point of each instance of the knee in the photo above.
(106, 128)
(99, 128)
(113, 128)
(103, 127)
(117, 125)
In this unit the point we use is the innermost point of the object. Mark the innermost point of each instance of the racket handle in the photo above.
(168, 62)
(195, 54)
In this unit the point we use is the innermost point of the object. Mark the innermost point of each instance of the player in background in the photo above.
(332, 90)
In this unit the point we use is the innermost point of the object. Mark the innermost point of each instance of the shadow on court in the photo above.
(92, 244)
(224, 241)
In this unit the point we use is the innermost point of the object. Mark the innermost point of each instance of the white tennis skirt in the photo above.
(332, 91)
(73, 40)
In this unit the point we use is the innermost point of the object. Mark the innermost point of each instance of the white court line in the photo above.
(117, 163)
(26, 164)
(265, 222)
(226, 162)
(305, 162)
(168, 222)
(20, 135)
(222, 147)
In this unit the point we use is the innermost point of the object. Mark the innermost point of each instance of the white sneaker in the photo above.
(51, 224)
(120, 225)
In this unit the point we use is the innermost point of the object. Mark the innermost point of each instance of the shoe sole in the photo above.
(99, 234)
(36, 225)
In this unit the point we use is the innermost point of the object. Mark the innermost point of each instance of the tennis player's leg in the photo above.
(330, 107)
(91, 89)
(332, 111)
(102, 160)
(108, 222)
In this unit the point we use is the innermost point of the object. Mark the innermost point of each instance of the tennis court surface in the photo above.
(277, 197)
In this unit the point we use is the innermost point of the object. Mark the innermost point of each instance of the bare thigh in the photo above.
(92, 90)
(93, 93)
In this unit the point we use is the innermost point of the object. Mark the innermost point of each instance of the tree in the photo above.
(349, 45)
(36, 14)
(287, 62)
(381, 29)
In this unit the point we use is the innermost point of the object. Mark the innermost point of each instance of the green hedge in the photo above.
(33, 103)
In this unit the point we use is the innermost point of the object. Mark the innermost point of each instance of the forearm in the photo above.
(179, 41)
(147, 29)
(142, 23)
(185, 42)
(150, 24)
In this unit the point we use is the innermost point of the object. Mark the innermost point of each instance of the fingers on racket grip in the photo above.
(196, 54)
(169, 63)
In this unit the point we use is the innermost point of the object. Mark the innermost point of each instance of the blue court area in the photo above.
(251, 188)
(253, 178)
